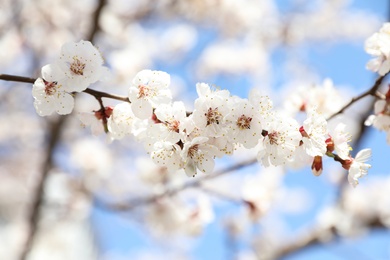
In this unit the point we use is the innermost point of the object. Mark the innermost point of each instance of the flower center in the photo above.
(173, 125)
(192, 151)
(144, 91)
(273, 138)
(244, 122)
(50, 87)
(77, 67)
(386, 110)
(213, 116)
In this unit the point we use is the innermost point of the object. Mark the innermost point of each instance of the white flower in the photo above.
(244, 124)
(120, 123)
(166, 216)
(381, 118)
(167, 154)
(89, 119)
(324, 98)
(313, 134)
(81, 64)
(97, 120)
(281, 138)
(149, 90)
(340, 140)
(49, 94)
(169, 125)
(262, 104)
(198, 154)
(200, 215)
(379, 45)
(358, 168)
(210, 110)
(224, 145)
(259, 191)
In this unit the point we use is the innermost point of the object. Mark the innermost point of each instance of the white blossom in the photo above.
(259, 191)
(169, 125)
(244, 123)
(199, 215)
(166, 216)
(324, 98)
(378, 45)
(281, 138)
(149, 89)
(341, 138)
(49, 94)
(381, 117)
(198, 154)
(313, 134)
(211, 107)
(167, 154)
(359, 167)
(120, 123)
(81, 64)
(95, 120)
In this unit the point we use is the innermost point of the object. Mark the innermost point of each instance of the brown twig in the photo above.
(370, 92)
(191, 184)
(97, 94)
(14, 78)
(315, 236)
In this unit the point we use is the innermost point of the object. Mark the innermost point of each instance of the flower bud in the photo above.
(316, 167)
(329, 145)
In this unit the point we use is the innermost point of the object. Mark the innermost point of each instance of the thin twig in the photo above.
(221, 195)
(170, 192)
(97, 94)
(14, 78)
(315, 236)
(100, 94)
(95, 20)
(372, 91)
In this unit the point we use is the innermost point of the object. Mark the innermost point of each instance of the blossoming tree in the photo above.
(170, 155)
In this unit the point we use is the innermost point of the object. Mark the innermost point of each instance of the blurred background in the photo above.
(66, 194)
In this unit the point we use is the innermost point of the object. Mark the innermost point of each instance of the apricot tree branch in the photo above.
(370, 92)
(97, 94)
(316, 236)
(130, 205)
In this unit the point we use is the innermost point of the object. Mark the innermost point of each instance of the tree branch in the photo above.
(170, 192)
(369, 92)
(97, 94)
(14, 78)
(316, 237)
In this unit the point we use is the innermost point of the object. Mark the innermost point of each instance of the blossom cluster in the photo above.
(220, 122)
(79, 65)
